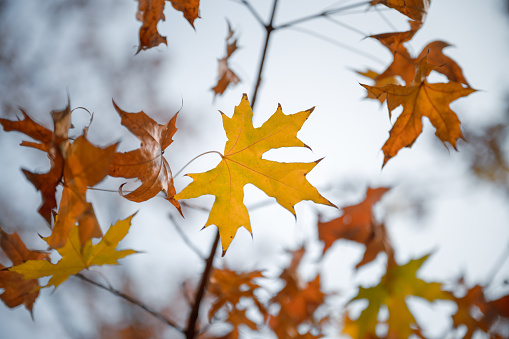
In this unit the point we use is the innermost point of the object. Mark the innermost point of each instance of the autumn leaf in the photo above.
(150, 12)
(190, 9)
(147, 162)
(420, 99)
(445, 65)
(358, 224)
(396, 285)
(228, 288)
(414, 9)
(297, 301)
(53, 143)
(225, 74)
(75, 258)
(242, 163)
(16, 289)
(85, 165)
(477, 313)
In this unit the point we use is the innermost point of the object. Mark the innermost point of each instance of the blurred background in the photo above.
(453, 204)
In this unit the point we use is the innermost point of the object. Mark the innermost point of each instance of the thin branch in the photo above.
(186, 238)
(342, 24)
(268, 29)
(133, 301)
(339, 44)
(321, 14)
(253, 12)
(193, 317)
(499, 263)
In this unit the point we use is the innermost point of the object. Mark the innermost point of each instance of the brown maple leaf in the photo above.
(420, 99)
(414, 9)
(147, 162)
(150, 12)
(190, 9)
(53, 143)
(18, 290)
(358, 224)
(225, 74)
(477, 313)
(298, 301)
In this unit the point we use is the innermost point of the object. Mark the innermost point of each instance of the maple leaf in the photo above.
(445, 65)
(420, 99)
(76, 258)
(150, 12)
(358, 224)
(85, 165)
(396, 285)
(228, 287)
(477, 313)
(226, 75)
(190, 9)
(242, 163)
(147, 162)
(298, 301)
(16, 290)
(414, 9)
(53, 143)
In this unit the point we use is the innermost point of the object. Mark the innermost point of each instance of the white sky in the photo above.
(465, 223)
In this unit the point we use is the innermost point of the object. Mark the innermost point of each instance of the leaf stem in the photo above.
(132, 301)
(193, 159)
(193, 317)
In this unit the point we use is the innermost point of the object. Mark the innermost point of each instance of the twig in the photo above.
(193, 317)
(186, 238)
(339, 44)
(342, 24)
(253, 12)
(499, 263)
(133, 301)
(268, 29)
(321, 14)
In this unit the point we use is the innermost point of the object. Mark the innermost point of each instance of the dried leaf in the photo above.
(17, 290)
(421, 99)
(147, 162)
(190, 9)
(225, 74)
(150, 12)
(414, 9)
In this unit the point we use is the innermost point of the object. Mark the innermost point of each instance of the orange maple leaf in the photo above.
(85, 165)
(414, 9)
(190, 9)
(298, 301)
(147, 162)
(420, 99)
(150, 12)
(358, 224)
(226, 75)
(18, 290)
(477, 313)
(54, 143)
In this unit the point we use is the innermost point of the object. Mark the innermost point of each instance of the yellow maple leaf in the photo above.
(75, 258)
(242, 163)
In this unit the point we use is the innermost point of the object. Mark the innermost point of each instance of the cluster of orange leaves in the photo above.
(293, 311)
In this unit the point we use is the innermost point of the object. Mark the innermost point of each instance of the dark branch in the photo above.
(193, 317)
(133, 301)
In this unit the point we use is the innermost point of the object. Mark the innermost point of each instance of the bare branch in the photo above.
(132, 301)
(186, 238)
